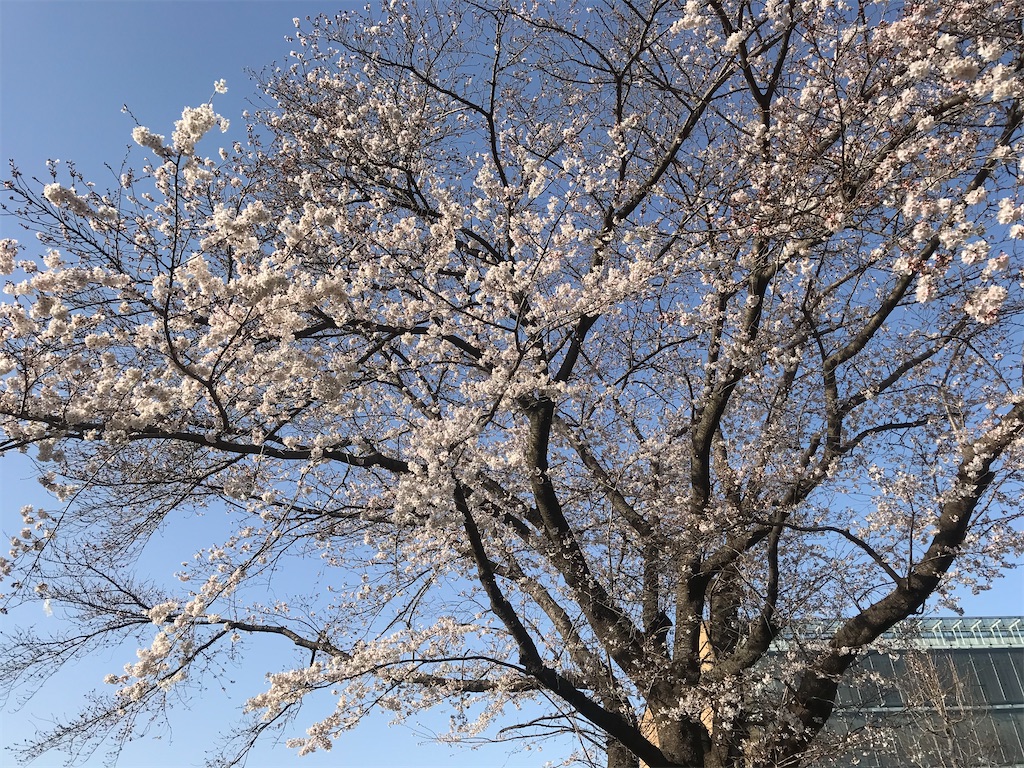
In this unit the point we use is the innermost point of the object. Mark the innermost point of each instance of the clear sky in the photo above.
(66, 69)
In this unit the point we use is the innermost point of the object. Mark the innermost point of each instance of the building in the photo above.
(945, 693)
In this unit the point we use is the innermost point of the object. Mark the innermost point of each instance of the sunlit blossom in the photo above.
(563, 355)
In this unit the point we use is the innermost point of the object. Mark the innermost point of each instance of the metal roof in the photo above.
(922, 633)
(994, 632)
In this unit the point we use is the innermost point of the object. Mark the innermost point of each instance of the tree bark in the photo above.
(620, 757)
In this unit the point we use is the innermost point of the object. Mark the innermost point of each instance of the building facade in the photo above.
(944, 693)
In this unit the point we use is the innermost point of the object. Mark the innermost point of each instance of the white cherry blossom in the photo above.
(564, 353)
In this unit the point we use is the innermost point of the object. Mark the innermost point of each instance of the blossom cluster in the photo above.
(492, 369)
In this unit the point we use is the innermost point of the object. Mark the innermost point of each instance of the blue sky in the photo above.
(66, 69)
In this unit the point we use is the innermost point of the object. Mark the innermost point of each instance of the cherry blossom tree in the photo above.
(541, 352)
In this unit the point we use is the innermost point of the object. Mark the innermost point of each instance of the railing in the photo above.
(958, 632)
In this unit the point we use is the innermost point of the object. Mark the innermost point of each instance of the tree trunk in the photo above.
(620, 757)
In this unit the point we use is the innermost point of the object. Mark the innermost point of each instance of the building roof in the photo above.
(993, 632)
(923, 633)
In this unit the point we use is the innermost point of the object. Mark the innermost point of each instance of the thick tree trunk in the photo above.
(683, 743)
(620, 757)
